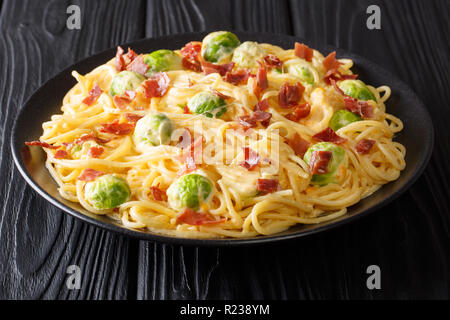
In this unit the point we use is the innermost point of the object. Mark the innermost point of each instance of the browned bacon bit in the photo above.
(328, 135)
(119, 61)
(91, 136)
(60, 154)
(157, 85)
(132, 117)
(272, 61)
(194, 218)
(219, 94)
(89, 174)
(332, 74)
(251, 159)
(95, 152)
(191, 65)
(262, 105)
(131, 55)
(191, 50)
(303, 51)
(318, 163)
(238, 77)
(93, 95)
(362, 108)
(190, 154)
(299, 112)
(364, 146)
(157, 193)
(330, 62)
(186, 110)
(299, 145)
(222, 69)
(117, 128)
(261, 81)
(41, 144)
(250, 121)
(267, 185)
(290, 95)
(138, 65)
(125, 99)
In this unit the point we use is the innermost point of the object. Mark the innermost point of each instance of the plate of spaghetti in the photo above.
(222, 138)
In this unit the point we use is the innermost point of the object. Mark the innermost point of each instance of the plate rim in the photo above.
(219, 242)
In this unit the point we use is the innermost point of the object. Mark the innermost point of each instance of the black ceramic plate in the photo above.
(417, 137)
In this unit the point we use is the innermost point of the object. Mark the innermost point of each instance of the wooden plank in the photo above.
(37, 241)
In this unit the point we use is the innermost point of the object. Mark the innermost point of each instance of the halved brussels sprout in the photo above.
(125, 80)
(248, 54)
(336, 166)
(300, 69)
(341, 118)
(154, 128)
(356, 89)
(208, 104)
(107, 192)
(162, 60)
(190, 191)
(218, 46)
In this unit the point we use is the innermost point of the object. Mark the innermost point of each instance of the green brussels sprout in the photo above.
(162, 60)
(248, 54)
(337, 164)
(219, 46)
(190, 191)
(125, 80)
(208, 104)
(107, 192)
(356, 89)
(341, 118)
(300, 69)
(154, 128)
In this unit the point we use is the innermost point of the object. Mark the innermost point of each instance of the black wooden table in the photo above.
(409, 239)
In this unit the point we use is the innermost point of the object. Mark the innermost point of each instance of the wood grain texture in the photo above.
(408, 239)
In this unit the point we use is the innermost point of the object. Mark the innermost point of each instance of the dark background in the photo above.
(408, 239)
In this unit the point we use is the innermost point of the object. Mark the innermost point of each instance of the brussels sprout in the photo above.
(107, 192)
(300, 69)
(356, 89)
(190, 191)
(125, 80)
(338, 161)
(341, 118)
(208, 104)
(162, 60)
(154, 128)
(218, 46)
(248, 54)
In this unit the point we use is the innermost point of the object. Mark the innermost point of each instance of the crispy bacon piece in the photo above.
(90, 136)
(93, 95)
(188, 157)
(251, 159)
(191, 50)
(60, 154)
(41, 144)
(132, 117)
(364, 109)
(328, 135)
(331, 66)
(157, 193)
(299, 112)
(191, 65)
(364, 146)
(290, 95)
(272, 61)
(157, 85)
(251, 121)
(194, 218)
(261, 80)
(303, 51)
(299, 145)
(267, 185)
(222, 69)
(186, 110)
(221, 95)
(121, 101)
(119, 60)
(117, 128)
(262, 105)
(330, 62)
(89, 174)
(238, 77)
(318, 163)
(131, 55)
(95, 152)
(138, 65)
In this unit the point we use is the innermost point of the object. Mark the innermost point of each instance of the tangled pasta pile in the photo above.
(222, 139)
